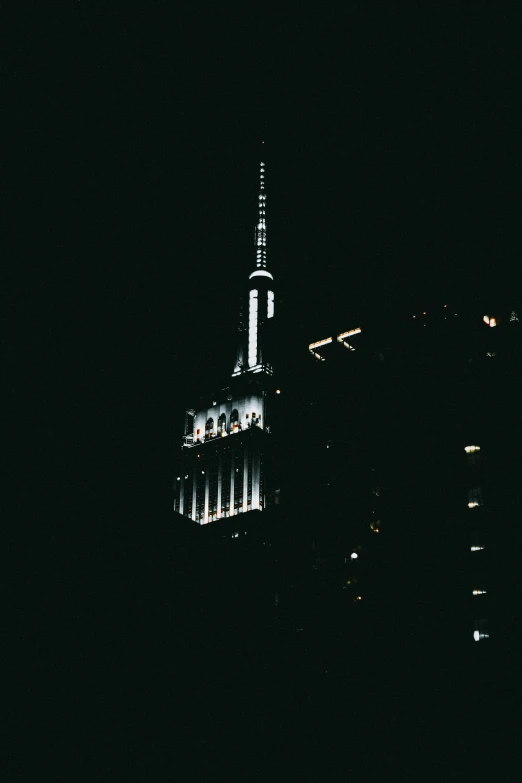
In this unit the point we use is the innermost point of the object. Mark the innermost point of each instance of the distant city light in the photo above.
(278, 391)
(476, 548)
(476, 635)
(354, 555)
(471, 449)
(472, 504)
(479, 592)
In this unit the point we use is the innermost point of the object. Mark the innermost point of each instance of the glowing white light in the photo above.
(476, 548)
(479, 592)
(471, 449)
(270, 310)
(492, 321)
(472, 504)
(354, 556)
(252, 328)
(278, 391)
(486, 319)
(340, 337)
(261, 272)
(476, 635)
(319, 343)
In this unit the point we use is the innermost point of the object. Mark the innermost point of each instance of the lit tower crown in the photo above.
(260, 304)
(227, 465)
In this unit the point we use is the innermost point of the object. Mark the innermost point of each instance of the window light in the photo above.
(354, 556)
(476, 548)
(479, 592)
(319, 343)
(492, 321)
(341, 336)
(475, 497)
(486, 319)
(471, 449)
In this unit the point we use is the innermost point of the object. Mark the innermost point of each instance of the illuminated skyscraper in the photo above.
(223, 471)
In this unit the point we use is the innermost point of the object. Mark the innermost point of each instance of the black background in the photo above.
(130, 168)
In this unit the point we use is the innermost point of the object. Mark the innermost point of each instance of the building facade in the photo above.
(225, 466)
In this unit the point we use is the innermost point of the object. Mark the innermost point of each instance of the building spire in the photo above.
(260, 232)
(251, 355)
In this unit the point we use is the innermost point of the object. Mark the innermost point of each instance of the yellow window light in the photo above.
(340, 337)
(471, 449)
(492, 321)
(319, 343)
(486, 319)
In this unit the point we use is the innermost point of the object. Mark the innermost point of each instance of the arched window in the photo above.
(209, 428)
(234, 420)
(222, 423)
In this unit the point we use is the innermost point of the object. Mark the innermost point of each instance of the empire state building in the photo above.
(225, 463)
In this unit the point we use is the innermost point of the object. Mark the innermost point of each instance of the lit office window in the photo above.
(475, 497)
(481, 631)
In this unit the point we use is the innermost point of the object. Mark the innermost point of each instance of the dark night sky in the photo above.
(129, 173)
(393, 166)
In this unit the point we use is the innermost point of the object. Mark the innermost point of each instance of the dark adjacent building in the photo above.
(415, 452)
